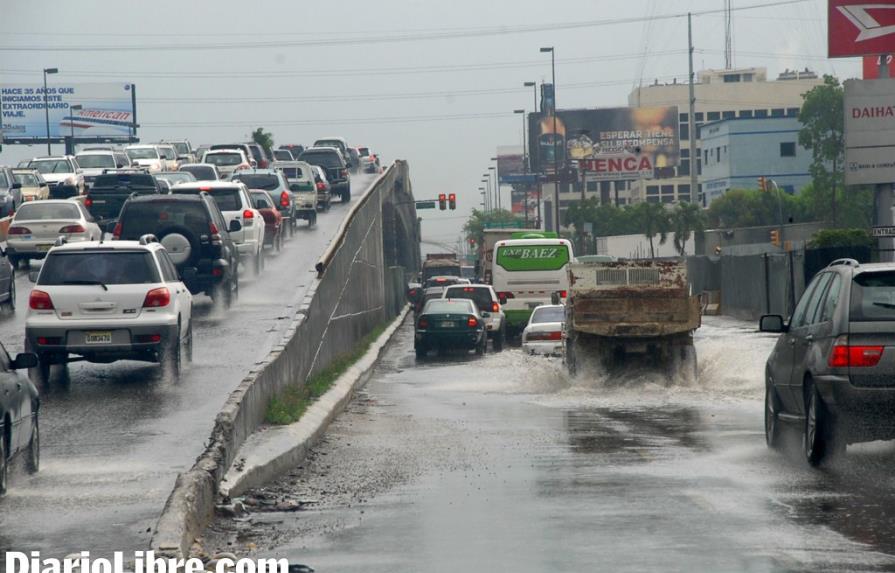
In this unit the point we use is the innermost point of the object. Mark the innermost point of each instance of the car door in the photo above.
(804, 333)
(179, 290)
(15, 402)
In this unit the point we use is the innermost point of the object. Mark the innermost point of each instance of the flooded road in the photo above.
(506, 464)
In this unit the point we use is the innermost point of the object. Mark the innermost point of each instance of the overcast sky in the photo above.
(442, 97)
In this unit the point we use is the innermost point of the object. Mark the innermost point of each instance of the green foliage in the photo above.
(289, 406)
(264, 139)
(480, 220)
(823, 133)
(842, 238)
(654, 220)
(686, 219)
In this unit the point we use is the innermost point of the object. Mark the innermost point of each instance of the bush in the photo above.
(841, 238)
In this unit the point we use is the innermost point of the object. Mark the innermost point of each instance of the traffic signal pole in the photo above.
(882, 195)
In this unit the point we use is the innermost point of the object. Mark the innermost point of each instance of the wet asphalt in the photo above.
(114, 437)
(504, 463)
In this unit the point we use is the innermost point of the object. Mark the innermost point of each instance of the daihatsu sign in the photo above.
(860, 28)
(869, 131)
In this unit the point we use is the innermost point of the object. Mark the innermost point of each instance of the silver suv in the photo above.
(832, 371)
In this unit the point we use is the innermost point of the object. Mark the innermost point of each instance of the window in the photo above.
(668, 198)
(592, 185)
(731, 78)
(831, 300)
(802, 315)
(683, 168)
(718, 154)
(778, 112)
(761, 113)
(684, 132)
(792, 112)
(873, 297)
(683, 192)
(652, 199)
(668, 190)
(747, 77)
(111, 267)
(705, 153)
(745, 113)
(685, 152)
(169, 273)
(713, 115)
(652, 189)
(787, 149)
(700, 116)
(728, 114)
(683, 118)
(698, 166)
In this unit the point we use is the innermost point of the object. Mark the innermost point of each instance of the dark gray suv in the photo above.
(832, 371)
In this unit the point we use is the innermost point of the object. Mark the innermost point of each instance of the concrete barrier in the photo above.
(346, 301)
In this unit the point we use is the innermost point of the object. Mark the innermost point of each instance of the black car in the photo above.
(196, 235)
(19, 415)
(446, 323)
(110, 191)
(336, 170)
(832, 371)
(10, 192)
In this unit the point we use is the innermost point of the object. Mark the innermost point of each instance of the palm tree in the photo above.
(686, 219)
(654, 221)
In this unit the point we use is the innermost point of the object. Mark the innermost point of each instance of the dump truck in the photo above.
(641, 308)
(440, 264)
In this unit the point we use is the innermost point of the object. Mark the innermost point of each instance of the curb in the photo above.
(272, 453)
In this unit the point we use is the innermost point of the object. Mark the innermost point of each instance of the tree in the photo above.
(654, 221)
(842, 238)
(686, 219)
(480, 220)
(264, 139)
(823, 133)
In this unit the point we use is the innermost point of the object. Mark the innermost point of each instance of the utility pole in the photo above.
(691, 116)
(882, 193)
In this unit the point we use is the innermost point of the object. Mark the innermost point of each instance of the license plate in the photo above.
(448, 324)
(104, 337)
(43, 248)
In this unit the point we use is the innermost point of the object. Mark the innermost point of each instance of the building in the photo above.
(736, 152)
(720, 95)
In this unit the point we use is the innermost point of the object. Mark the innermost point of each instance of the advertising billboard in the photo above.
(860, 28)
(602, 140)
(106, 111)
(510, 162)
(869, 131)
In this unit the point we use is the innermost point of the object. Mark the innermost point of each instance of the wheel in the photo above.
(346, 195)
(11, 303)
(188, 345)
(278, 241)
(40, 374)
(32, 458)
(4, 466)
(771, 421)
(312, 220)
(820, 439)
(257, 263)
(498, 340)
(683, 364)
(181, 243)
(571, 359)
(14, 261)
(171, 356)
(480, 348)
(420, 351)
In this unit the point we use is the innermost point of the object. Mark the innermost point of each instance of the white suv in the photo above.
(232, 198)
(119, 300)
(486, 300)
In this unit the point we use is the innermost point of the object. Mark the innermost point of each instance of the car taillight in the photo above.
(116, 232)
(321, 186)
(411, 292)
(88, 202)
(40, 300)
(248, 214)
(423, 323)
(555, 335)
(157, 297)
(18, 231)
(215, 234)
(845, 355)
(284, 199)
(472, 322)
(495, 307)
(562, 294)
(73, 229)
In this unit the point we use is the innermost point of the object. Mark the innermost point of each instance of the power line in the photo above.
(377, 39)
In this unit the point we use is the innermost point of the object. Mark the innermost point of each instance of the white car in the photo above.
(37, 224)
(544, 332)
(147, 156)
(108, 301)
(169, 154)
(486, 300)
(94, 161)
(227, 161)
(232, 198)
(62, 173)
(302, 185)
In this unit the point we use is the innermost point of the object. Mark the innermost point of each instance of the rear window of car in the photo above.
(261, 201)
(258, 180)
(479, 295)
(444, 306)
(227, 199)
(223, 158)
(873, 297)
(550, 314)
(37, 211)
(200, 173)
(140, 218)
(322, 158)
(124, 182)
(96, 161)
(26, 179)
(90, 267)
(282, 155)
(294, 173)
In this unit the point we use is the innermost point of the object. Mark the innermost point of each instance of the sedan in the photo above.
(273, 219)
(450, 323)
(201, 171)
(19, 410)
(175, 177)
(34, 187)
(37, 225)
(543, 333)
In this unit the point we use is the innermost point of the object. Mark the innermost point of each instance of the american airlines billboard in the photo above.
(106, 111)
(861, 28)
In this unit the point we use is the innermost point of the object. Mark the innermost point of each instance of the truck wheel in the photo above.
(683, 364)
(312, 219)
(32, 455)
(571, 359)
(498, 340)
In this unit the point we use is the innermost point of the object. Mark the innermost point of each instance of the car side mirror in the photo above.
(32, 275)
(502, 299)
(16, 185)
(235, 226)
(119, 165)
(24, 360)
(771, 323)
(44, 184)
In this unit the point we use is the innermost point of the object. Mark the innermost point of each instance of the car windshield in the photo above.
(224, 159)
(106, 268)
(322, 158)
(548, 314)
(282, 155)
(261, 200)
(127, 182)
(51, 165)
(293, 173)
(328, 143)
(481, 296)
(442, 306)
(181, 148)
(26, 179)
(40, 211)
(142, 153)
(263, 181)
(364, 151)
(200, 172)
(176, 177)
(96, 161)
(873, 297)
(143, 217)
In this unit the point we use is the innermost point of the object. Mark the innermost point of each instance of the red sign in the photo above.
(861, 28)
(871, 66)
(617, 166)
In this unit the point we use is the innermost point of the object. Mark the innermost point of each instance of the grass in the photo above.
(289, 406)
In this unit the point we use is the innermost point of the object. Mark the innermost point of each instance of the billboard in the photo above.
(106, 111)
(860, 28)
(510, 162)
(586, 137)
(869, 131)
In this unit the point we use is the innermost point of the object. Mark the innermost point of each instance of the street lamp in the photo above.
(496, 183)
(524, 165)
(487, 193)
(47, 107)
(534, 93)
(555, 154)
(491, 201)
(71, 123)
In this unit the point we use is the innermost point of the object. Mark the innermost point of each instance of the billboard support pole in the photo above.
(47, 115)
(694, 184)
(882, 194)
(134, 112)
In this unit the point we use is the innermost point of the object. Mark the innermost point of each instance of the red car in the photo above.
(273, 220)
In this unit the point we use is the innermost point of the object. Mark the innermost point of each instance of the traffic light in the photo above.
(762, 184)
(452, 201)
(442, 201)
(775, 237)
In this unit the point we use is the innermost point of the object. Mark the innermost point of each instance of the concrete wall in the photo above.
(637, 246)
(796, 233)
